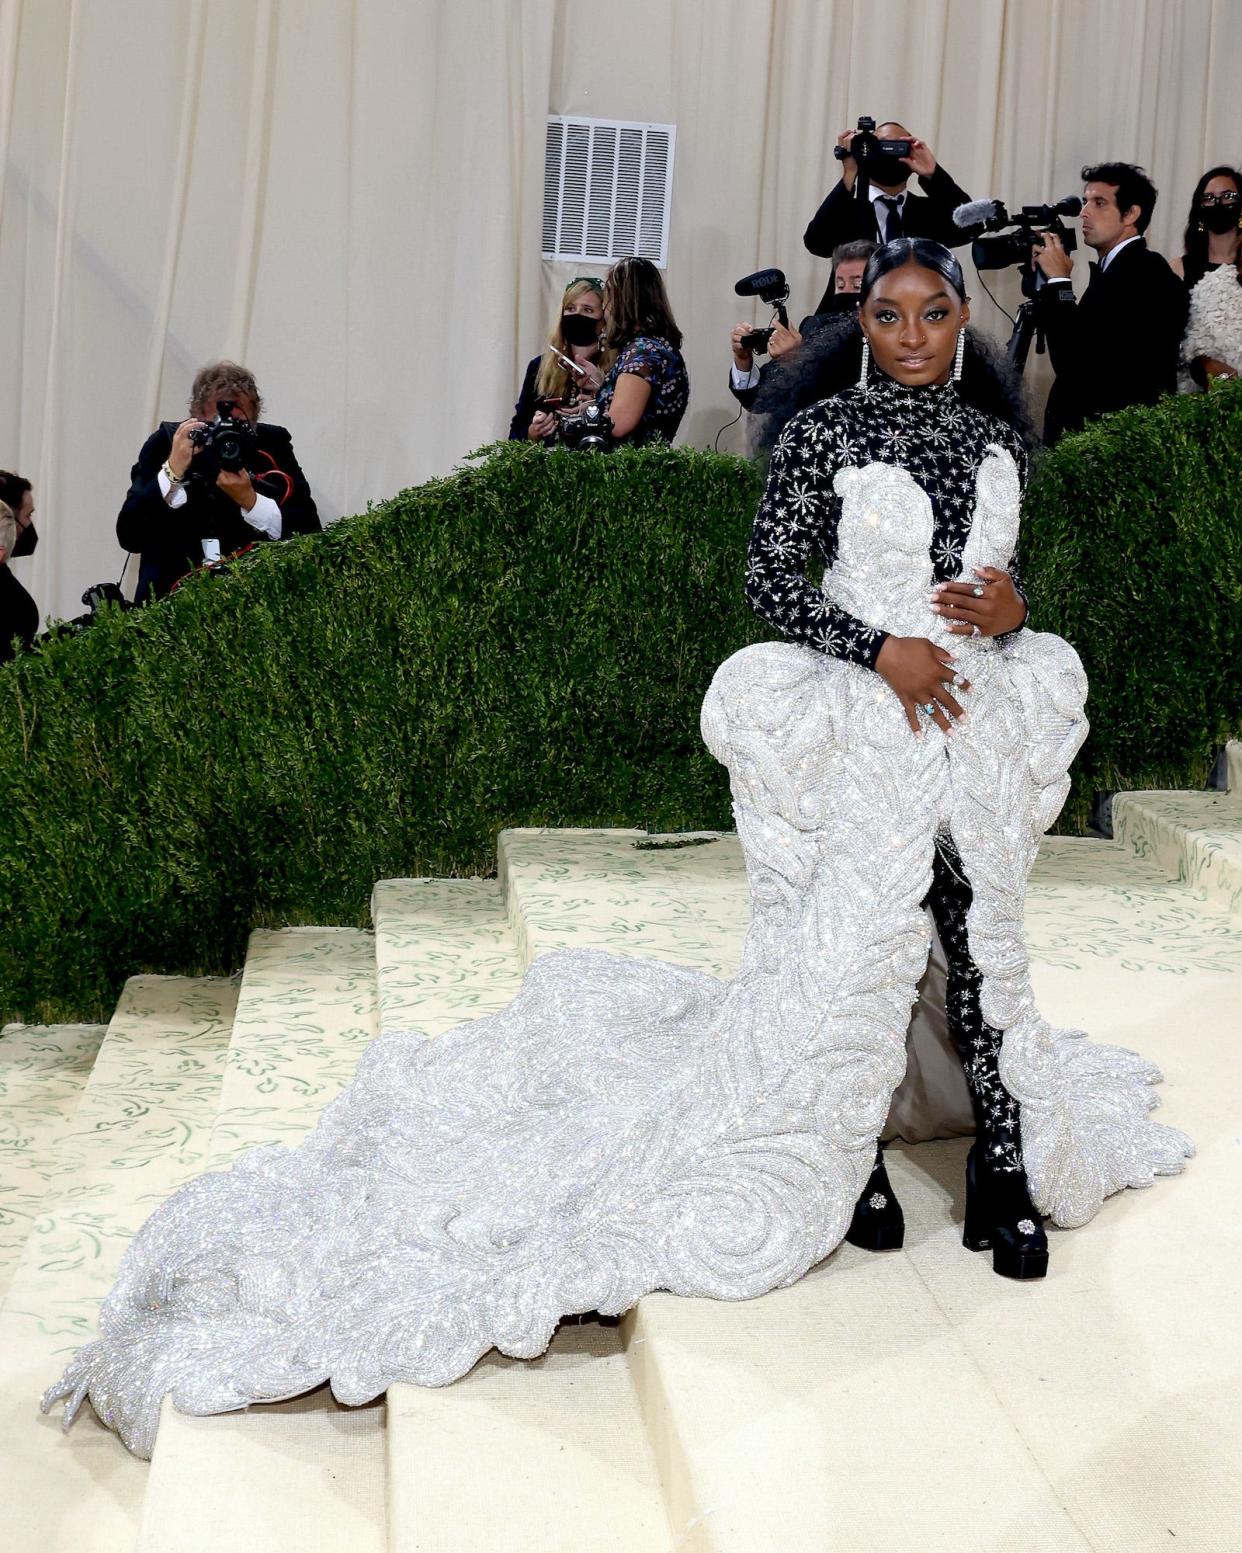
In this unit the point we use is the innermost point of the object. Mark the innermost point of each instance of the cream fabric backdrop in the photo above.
(346, 194)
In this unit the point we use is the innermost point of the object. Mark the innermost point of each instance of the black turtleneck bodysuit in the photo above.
(928, 431)
(941, 441)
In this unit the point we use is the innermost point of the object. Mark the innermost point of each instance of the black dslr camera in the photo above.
(880, 161)
(590, 431)
(228, 442)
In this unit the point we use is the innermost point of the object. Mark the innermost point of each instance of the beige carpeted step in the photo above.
(306, 1474)
(443, 952)
(43, 1071)
(1195, 838)
(915, 1400)
(142, 1127)
(1233, 768)
(550, 1457)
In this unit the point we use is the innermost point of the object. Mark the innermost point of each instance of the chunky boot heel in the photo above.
(1001, 1217)
(878, 1223)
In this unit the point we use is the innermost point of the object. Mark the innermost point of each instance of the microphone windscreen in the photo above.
(975, 213)
(761, 280)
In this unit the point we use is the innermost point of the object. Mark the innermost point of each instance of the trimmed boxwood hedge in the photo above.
(1132, 550)
(525, 642)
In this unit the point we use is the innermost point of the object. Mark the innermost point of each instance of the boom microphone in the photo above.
(980, 213)
(761, 283)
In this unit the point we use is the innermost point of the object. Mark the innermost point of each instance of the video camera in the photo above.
(769, 286)
(229, 442)
(879, 161)
(1000, 239)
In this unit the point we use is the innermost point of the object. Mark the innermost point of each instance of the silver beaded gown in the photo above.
(628, 1125)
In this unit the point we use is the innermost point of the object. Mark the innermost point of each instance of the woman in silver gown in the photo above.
(712, 1138)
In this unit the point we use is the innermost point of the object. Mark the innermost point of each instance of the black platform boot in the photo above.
(1000, 1215)
(878, 1223)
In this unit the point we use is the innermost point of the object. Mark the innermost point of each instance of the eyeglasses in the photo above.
(1208, 200)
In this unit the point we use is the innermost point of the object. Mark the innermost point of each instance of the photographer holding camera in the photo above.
(880, 208)
(1119, 345)
(19, 615)
(213, 484)
(849, 261)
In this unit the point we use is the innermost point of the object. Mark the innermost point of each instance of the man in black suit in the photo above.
(19, 615)
(848, 263)
(1119, 345)
(890, 211)
(183, 510)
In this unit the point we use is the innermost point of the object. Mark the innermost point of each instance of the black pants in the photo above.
(977, 1043)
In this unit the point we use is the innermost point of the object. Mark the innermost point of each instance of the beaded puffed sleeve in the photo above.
(797, 518)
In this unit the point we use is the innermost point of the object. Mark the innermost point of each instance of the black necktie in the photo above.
(892, 226)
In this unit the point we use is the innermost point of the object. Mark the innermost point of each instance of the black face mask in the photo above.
(885, 169)
(579, 329)
(26, 541)
(842, 302)
(1219, 218)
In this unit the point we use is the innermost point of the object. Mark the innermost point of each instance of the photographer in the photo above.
(890, 211)
(19, 616)
(745, 376)
(645, 391)
(1119, 345)
(550, 384)
(213, 484)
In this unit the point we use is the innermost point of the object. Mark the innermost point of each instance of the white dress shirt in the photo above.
(264, 517)
(881, 211)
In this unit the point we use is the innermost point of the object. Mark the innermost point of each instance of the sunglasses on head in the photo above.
(595, 283)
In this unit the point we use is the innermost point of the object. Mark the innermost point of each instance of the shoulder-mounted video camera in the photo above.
(1001, 239)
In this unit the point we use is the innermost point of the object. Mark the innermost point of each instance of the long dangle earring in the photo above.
(959, 355)
(866, 365)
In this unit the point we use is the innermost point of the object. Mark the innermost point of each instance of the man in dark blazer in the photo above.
(890, 211)
(19, 615)
(182, 512)
(1119, 345)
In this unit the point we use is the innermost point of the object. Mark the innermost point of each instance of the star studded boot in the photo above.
(1000, 1215)
(878, 1223)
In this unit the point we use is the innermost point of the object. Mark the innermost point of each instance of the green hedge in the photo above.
(1132, 550)
(526, 642)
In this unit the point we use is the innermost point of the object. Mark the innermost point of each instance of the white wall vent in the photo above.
(606, 190)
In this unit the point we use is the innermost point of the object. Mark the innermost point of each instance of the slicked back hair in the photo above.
(928, 255)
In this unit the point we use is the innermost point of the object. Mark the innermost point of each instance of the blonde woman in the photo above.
(549, 384)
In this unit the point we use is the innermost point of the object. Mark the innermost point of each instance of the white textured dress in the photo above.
(628, 1125)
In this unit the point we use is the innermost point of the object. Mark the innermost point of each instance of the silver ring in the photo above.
(977, 590)
(958, 679)
(975, 631)
(929, 709)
